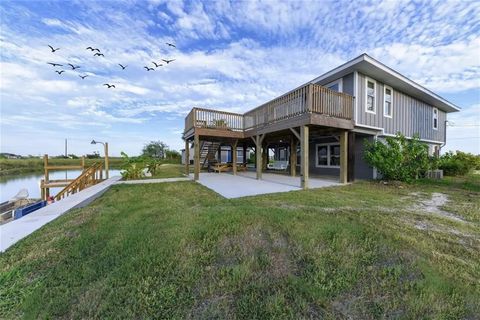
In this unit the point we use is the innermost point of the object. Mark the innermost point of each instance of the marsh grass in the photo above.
(178, 250)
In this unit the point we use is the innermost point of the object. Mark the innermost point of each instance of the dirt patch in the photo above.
(433, 205)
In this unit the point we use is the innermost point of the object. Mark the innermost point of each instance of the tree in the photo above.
(155, 149)
(399, 158)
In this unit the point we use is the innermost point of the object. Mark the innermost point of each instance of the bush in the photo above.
(399, 158)
(132, 167)
(459, 163)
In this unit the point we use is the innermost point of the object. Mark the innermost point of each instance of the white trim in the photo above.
(423, 140)
(339, 81)
(369, 127)
(355, 95)
(328, 154)
(367, 80)
(367, 58)
(434, 116)
(385, 87)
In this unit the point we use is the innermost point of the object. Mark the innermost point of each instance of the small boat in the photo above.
(21, 203)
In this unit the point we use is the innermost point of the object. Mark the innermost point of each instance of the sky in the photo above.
(229, 55)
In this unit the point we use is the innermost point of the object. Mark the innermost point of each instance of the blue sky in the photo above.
(230, 55)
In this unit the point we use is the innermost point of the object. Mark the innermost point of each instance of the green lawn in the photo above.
(168, 170)
(178, 250)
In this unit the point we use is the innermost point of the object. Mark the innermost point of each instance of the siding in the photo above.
(362, 169)
(409, 116)
(347, 81)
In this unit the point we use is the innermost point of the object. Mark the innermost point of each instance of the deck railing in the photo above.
(310, 98)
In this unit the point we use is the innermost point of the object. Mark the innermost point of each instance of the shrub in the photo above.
(459, 163)
(399, 158)
(132, 167)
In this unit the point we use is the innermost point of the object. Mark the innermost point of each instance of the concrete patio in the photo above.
(245, 184)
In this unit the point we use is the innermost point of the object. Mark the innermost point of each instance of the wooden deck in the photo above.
(310, 104)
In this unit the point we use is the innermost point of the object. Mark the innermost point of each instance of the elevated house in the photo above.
(320, 127)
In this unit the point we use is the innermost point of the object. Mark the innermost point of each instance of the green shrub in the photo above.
(458, 163)
(132, 167)
(399, 158)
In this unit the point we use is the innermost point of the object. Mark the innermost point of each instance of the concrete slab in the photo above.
(16, 230)
(245, 184)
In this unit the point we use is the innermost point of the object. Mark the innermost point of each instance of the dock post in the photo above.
(46, 192)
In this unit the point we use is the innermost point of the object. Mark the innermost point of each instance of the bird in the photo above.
(109, 85)
(157, 64)
(53, 50)
(96, 49)
(83, 77)
(55, 64)
(122, 66)
(98, 54)
(59, 72)
(89, 48)
(170, 44)
(73, 67)
(149, 69)
(168, 61)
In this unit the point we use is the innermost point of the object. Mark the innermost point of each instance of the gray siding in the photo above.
(362, 169)
(347, 83)
(410, 116)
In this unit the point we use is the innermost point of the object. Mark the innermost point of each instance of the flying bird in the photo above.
(122, 66)
(109, 85)
(89, 48)
(83, 77)
(96, 49)
(170, 44)
(73, 67)
(55, 64)
(168, 61)
(149, 69)
(157, 64)
(98, 54)
(59, 72)
(53, 50)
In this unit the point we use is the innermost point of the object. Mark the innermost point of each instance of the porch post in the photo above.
(196, 158)
(293, 157)
(258, 156)
(343, 156)
(351, 157)
(304, 137)
(187, 157)
(244, 154)
(234, 156)
(265, 157)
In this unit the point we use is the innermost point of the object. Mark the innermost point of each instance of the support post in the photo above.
(258, 156)
(187, 157)
(351, 157)
(293, 157)
(234, 157)
(244, 154)
(196, 158)
(46, 179)
(265, 157)
(344, 156)
(304, 174)
(107, 174)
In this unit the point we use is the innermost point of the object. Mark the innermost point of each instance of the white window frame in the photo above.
(374, 95)
(328, 154)
(340, 84)
(385, 87)
(434, 117)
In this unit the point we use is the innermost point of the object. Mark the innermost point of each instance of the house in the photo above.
(321, 126)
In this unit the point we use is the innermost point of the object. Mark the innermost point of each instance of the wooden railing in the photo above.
(89, 177)
(310, 98)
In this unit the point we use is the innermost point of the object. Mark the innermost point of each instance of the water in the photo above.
(10, 185)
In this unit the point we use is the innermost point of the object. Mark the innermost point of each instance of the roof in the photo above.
(377, 70)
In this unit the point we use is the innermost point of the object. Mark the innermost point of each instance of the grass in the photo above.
(18, 166)
(178, 250)
(168, 170)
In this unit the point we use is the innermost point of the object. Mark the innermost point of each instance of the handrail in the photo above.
(89, 177)
(309, 98)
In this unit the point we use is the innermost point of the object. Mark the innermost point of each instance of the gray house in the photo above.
(319, 128)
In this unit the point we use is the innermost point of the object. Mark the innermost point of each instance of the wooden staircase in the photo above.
(208, 151)
(89, 177)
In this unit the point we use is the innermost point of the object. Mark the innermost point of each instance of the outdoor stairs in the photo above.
(208, 151)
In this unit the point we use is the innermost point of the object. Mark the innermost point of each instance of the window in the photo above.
(328, 155)
(435, 118)
(336, 85)
(370, 96)
(387, 101)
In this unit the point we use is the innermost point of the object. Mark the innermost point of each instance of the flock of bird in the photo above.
(98, 53)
